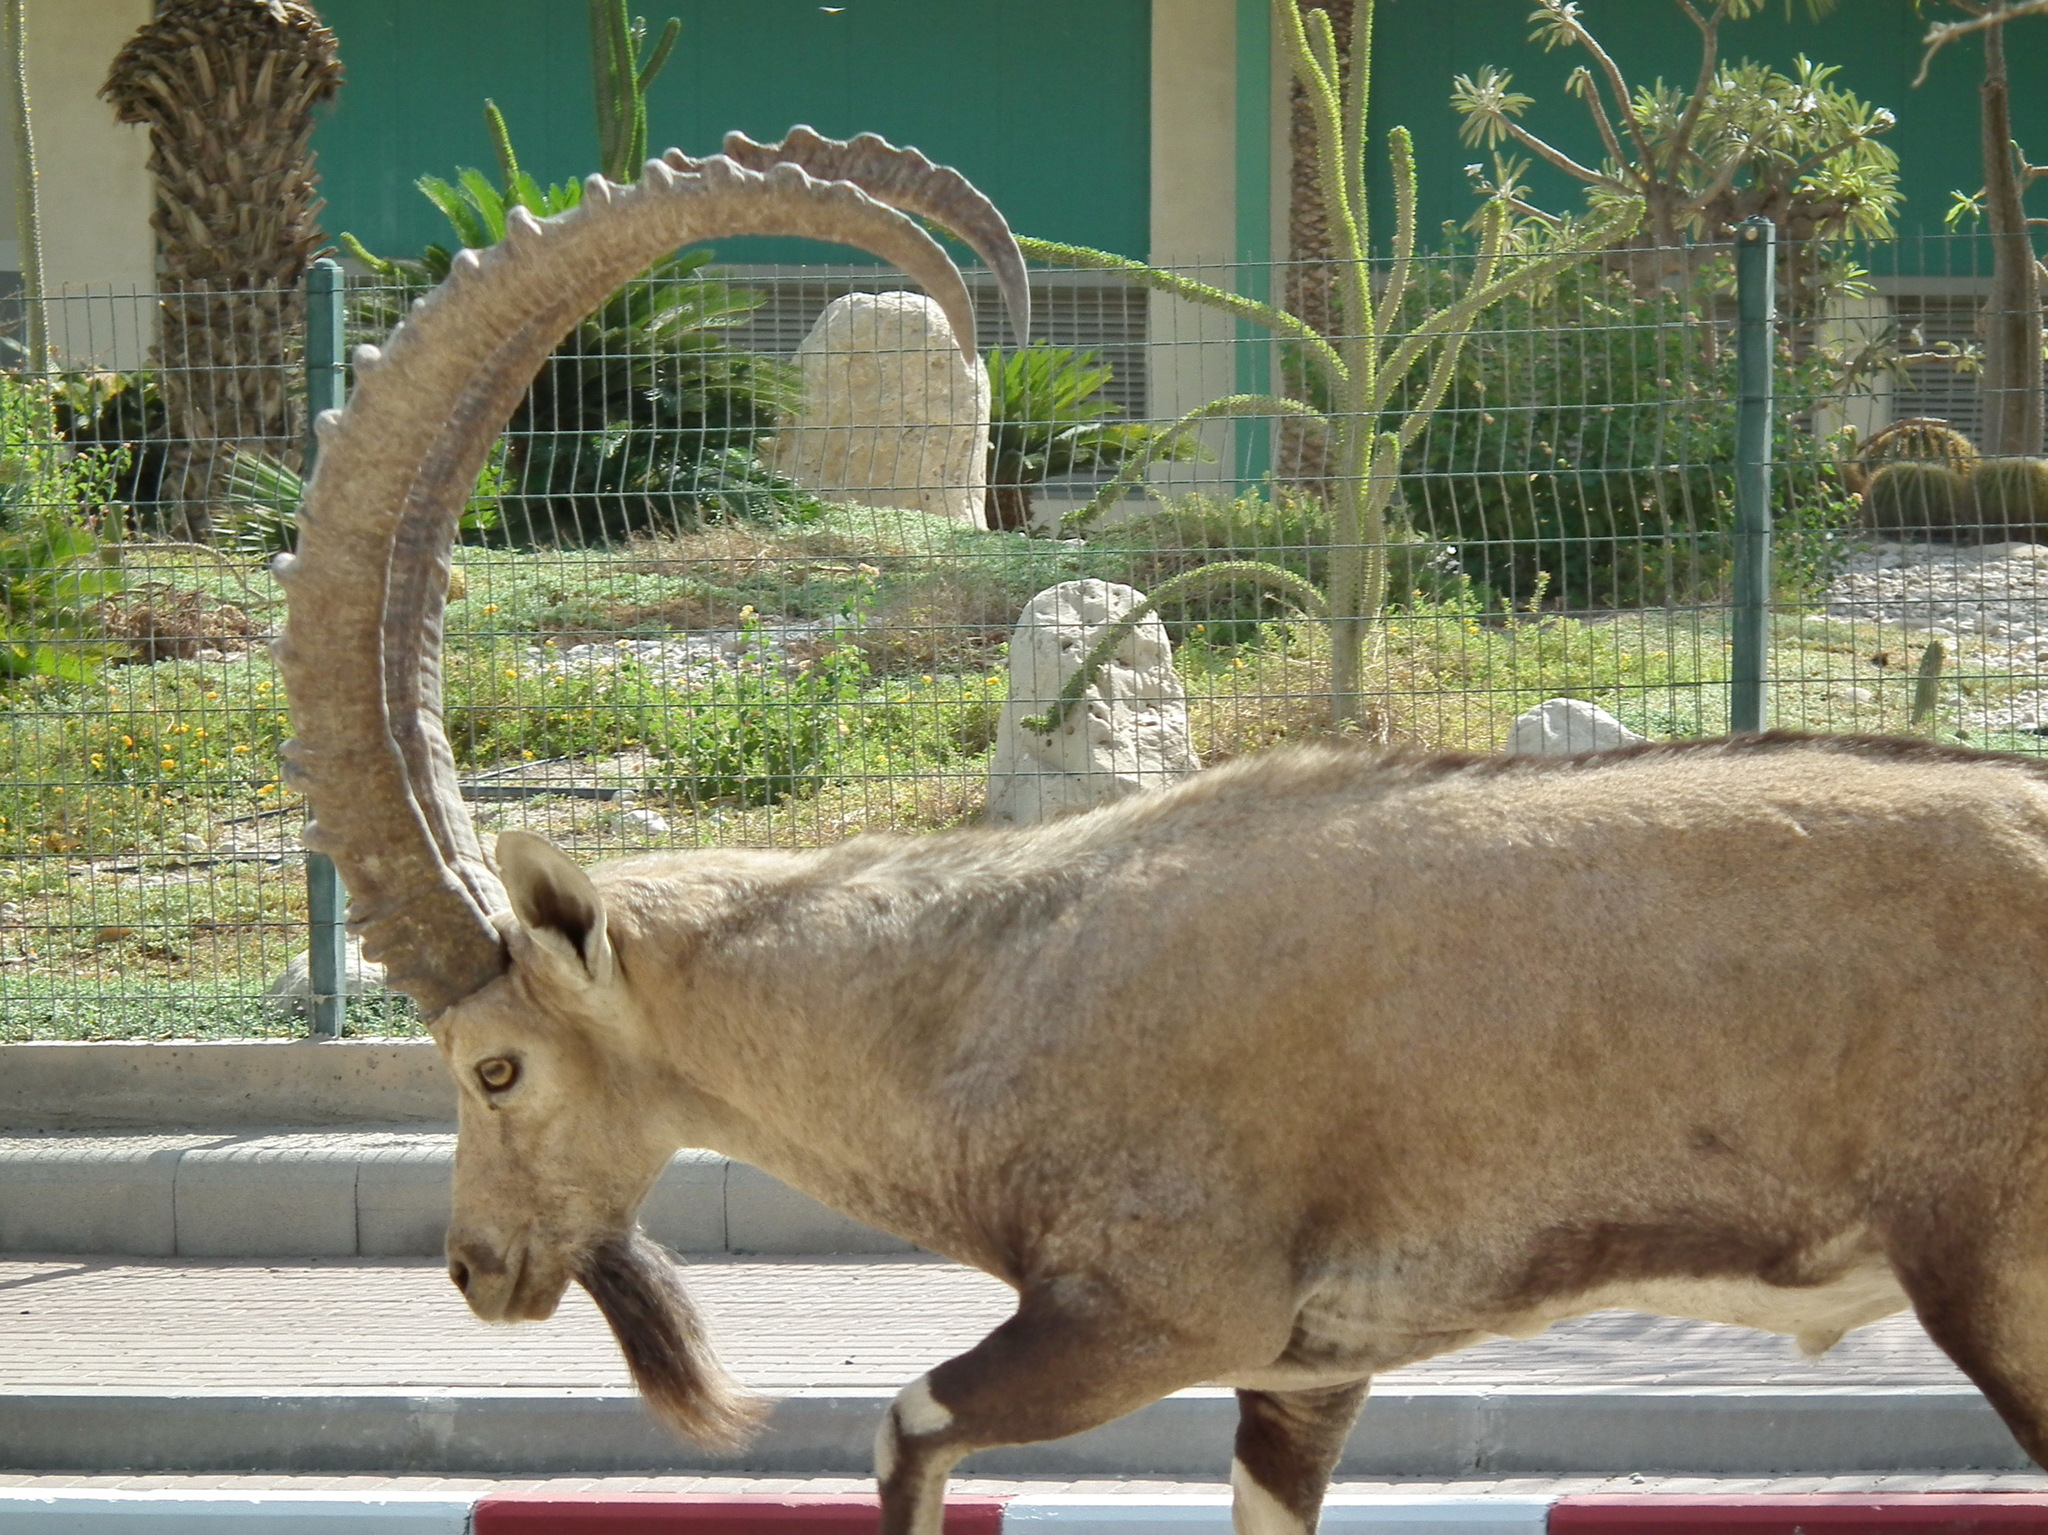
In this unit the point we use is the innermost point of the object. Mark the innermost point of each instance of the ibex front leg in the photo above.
(1074, 1356)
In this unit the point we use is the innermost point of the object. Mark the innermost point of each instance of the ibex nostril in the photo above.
(458, 1271)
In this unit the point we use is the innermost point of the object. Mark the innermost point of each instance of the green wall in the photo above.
(1046, 106)
(1424, 43)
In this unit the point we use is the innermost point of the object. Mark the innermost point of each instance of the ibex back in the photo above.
(1309, 1068)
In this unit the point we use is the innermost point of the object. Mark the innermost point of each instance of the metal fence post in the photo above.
(1755, 332)
(327, 956)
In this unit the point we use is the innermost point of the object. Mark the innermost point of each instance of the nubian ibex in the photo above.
(1310, 1067)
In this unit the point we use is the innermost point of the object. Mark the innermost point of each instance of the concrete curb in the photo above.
(1918, 1513)
(135, 1085)
(254, 1513)
(1419, 1433)
(170, 1512)
(654, 1513)
(370, 1194)
(1209, 1514)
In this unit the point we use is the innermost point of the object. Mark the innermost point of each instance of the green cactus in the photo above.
(1916, 497)
(2011, 496)
(1363, 371)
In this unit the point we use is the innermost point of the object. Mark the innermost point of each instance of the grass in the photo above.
(149, 880)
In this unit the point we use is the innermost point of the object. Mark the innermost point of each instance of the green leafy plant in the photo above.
(643, 419)
(121, 418)
(265, 495)
(1588, 470)
(55, 572)
(1744, 140)
(1363, 370)
(56, 568)
(1048, 416)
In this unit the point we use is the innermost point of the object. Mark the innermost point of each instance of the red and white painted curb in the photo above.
(85, 1511)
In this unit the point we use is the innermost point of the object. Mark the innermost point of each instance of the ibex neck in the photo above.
(840, 1007)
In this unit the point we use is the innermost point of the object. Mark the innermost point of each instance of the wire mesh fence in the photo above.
(745, 568)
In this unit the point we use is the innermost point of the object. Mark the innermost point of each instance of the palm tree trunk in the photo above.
(227, 89)
(1310, 289)
(2012, 314)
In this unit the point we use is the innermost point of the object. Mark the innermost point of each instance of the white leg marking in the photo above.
(918, 1410)
(1255, 1511)
(915, 1412)
(885, 1445)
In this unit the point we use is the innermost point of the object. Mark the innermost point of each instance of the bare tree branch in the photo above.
(1942, 33)
(1619, 87)
(1710, 53)
(1563, 161)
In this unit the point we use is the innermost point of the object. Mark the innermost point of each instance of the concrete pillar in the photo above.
(1194, 218)
(95, 185)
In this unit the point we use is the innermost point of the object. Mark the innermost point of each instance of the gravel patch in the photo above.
(1992, 599)
(698, 657)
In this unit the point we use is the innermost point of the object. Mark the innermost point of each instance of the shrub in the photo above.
(1582, 453)
(1915, 497)
(2011, 497)
(643, 420)
(1047, 417)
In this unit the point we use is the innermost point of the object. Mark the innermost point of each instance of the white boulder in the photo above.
(893, 413)
(640, 823)
(1127, 733)
(292, 988)
(1557, 727)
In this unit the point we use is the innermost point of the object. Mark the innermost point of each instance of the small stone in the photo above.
(1560, 727)
(192, 842)
(641, 823)
(291, 989)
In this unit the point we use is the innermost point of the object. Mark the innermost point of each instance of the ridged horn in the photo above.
(905, 179)
(361, 650)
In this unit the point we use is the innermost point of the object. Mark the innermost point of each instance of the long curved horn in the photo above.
(905, 179)
(361, 651)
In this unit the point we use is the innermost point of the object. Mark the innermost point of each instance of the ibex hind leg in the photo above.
(1288, 1443)
(1989, 1313)
(1057, 1367)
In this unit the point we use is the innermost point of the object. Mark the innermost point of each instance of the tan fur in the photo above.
(1321, 1064)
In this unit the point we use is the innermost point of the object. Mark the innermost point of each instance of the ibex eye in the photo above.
(497, 1073)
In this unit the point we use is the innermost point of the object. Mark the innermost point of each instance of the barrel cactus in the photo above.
(2012, 498)
(1918, 498)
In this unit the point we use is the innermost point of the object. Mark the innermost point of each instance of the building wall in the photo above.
(1044, 105)
(95, 187)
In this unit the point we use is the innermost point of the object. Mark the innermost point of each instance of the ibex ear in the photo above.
(555, 900)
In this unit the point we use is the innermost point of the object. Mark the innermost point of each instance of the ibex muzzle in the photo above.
(1308, 1068)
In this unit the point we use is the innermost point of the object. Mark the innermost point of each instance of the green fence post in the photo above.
(327, 954)
(1750, 620)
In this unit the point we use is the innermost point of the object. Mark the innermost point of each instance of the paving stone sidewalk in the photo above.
(780, 1324)
(1134, 1487)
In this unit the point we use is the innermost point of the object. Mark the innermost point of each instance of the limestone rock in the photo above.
(1130, 731)
(892, 413)
(640, 823)
(291, 989)
(1558, 727)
